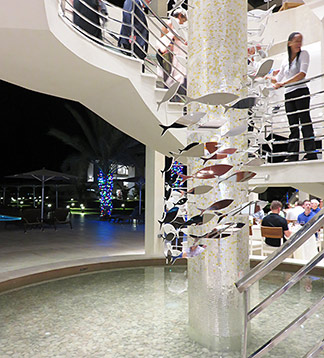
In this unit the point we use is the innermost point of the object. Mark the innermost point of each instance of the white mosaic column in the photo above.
(217, 62)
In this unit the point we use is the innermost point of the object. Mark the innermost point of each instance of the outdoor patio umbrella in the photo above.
(43, 175)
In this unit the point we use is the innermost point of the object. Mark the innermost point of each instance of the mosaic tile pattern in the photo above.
(217, 63)
(138, 313)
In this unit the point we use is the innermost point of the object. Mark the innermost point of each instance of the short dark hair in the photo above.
(305, 201)
(275, 205)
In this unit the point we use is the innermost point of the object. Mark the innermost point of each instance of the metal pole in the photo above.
(245, 322)
(56, 194)
(43, 199)
(34, 196)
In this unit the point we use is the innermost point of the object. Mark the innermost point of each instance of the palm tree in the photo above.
(103, 145)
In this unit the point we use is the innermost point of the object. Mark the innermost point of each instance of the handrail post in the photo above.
(245, 323)
(132, 29)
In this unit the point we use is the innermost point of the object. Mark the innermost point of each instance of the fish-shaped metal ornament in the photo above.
(168, 164)
(211, 147)
(218, 205)
(228, 151)
(236, 131)
(189, 146)
(184, 121)
(220, 154)
(258, 189)
(214, 156)
(169, 217)
(214, 124)
(239, 177)
(191, 118)
(208, 172)
(181, 201)
(200, 190)
(169, 237)
(263, 70)
(244, 103)
(172, 126)
(198, 220)
(169, 94)
(213, 99)
(168, 192)
(195, 151)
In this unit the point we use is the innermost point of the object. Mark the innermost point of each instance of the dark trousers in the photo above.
(300, 118)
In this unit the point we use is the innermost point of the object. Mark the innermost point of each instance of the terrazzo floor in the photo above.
(138, 313)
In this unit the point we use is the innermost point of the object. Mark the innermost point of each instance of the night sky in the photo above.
(26, 118)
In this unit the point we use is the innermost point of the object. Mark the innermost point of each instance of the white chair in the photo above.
(255, 243)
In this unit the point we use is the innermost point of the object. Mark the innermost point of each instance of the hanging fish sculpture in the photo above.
(168, 192)
(169, 217)
(220, 154)
(181, 201)
(189, 146)
(172, 126)
(244, 103)
(236, 131)
(214, 124)
(169, 94)
(213, 99)
(168, 164)
(208, 172)
(199, 190)
(263, 70)
(239, 177)
(198, 220)
(195, 151)
(184, 121)
(218, 205)
(211, 147)
(169, 237)
(215, 156)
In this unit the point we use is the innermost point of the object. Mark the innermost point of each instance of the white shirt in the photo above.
(286, 73)
(292, 214)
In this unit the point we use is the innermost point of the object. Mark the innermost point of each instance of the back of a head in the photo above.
(299, 203)
(275, 205)
(180, 11)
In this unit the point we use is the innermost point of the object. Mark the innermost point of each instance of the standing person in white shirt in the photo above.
(293, 70)
(292, 214)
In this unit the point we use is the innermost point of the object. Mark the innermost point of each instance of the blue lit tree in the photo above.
(100, 143)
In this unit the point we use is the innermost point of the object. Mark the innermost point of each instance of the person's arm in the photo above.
(304, 63)
(287, 233)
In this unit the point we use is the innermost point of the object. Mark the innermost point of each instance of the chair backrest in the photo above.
(271, 232)
(61, 214)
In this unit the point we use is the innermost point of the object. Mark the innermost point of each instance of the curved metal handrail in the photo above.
(284, 251)
(114, 36)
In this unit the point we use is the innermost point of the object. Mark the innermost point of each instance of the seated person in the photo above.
(273, 219)
(304, 217)
(315, 206)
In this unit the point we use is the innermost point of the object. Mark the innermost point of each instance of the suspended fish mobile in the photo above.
(208, 172)
(169, 94)
(184, 121)
(213, 99)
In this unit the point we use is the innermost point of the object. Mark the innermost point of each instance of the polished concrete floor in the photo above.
(89, 238)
